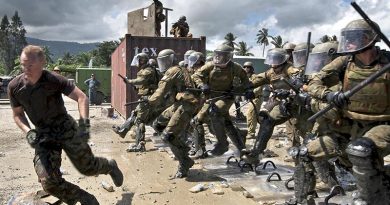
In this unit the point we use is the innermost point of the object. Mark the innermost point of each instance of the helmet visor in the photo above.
(355, 40)
(186, 59)
(192, 60)
(135, 61)
(299, 58)
(222, 58)
(275, 59)
(165, 62)
(316, 62)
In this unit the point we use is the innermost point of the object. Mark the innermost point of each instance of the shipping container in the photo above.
(123, 55)
(101, 74)
(258, 63)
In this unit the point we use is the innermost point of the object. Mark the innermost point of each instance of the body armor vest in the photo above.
(221, 78)
(371, 102)
(276, 79)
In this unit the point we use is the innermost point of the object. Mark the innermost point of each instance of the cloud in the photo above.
(103, 20)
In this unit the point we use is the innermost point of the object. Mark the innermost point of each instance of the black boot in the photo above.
(115, 173)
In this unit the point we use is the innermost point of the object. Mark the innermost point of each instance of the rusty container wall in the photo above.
(131, 46)
(142, 22)
(118, 87)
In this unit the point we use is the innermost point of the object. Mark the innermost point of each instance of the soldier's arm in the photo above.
(201, 75)
(20, 118)
(259, 79)
(143, 78)
(331, 72)
(164, 86)
(82, 100)
(241, 74)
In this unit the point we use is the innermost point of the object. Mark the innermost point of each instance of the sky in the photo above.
(105, 20)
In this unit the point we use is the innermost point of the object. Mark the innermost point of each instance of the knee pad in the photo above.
(167, 137)
(362, 152)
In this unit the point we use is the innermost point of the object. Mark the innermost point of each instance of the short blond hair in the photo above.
(36, 51)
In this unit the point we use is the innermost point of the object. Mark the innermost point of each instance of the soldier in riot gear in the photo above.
(218, 75)
(289, 47)
(367, 110)
(299, 55)
(283, 108)
(328, 139)
(251, 117)
(146, 83)
(176, 80)
(159, 16)
(180, 28)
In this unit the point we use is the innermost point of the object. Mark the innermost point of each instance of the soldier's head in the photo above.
(196, 60)
(289, 47)
(152, 62)
(182, 18)
(166, 59)
(299, 54)
(248, 67)
(140, 60)
(223, 54)
(32, 61)
(57, 70)
(321, 55)
(186, 55)
(357, 36)
(93, 76)
(276, 57)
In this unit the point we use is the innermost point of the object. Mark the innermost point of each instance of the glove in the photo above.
(337, 98)
(303, 99)
(205, 89)
(32, 137)
(83, 129)
(249, 94)
(281, 93)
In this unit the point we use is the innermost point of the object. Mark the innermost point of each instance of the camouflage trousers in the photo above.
(61, 135)
(251, 117)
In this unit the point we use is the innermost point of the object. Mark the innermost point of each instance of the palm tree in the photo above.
(327, 38)
(229, 40)
(243, 49)
(48, 55)
(277, 41)
(262, 38)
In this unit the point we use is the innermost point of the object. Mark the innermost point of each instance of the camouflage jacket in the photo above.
(146, 81)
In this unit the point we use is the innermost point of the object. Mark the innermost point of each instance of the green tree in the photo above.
(102, 55)
(327, 38)
(243, 50)
(48, 55)
(5, 44)
(18, 33)
(277, 41)
(67, 59)
(229, 40)
(262, 38)
(82, 59)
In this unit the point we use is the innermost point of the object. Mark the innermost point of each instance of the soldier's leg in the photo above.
(267, 125)
(198, 149)
(172, 136)
(234, 135)
(126, 126)
(218, 112)
(47, 163)
(81, 156)
(142, 117)
(237, 104)
(251, 118)
(161, 122)
(366, 154)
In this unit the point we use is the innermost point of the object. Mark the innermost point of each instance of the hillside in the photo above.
(59, 48)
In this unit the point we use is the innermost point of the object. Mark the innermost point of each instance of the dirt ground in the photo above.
(147, 175)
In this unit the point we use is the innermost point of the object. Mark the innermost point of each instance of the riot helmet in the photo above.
(165, 59)
(140, 59)
(153, 63)
(182, 64)
(289, 46)
(223, 54)
(248, 67)
(357, 36)
(186, 55)
(321, 55)
(299, 54)
(182, 18)
(196, 59)
(276, 57)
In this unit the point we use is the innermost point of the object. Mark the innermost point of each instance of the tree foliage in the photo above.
(229, 40)
(262, 38)
(243, 50)
(12, 41)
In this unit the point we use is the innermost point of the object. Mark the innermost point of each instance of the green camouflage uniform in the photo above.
(175, 81)
(221, 79)
(251, 117)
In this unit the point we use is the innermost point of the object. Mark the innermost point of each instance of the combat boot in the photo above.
(88, 199)
(121, 132)
(115, 173)
(220, 148)
(184, 168)
(247, 157)
(140, 147)
(200, 153)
